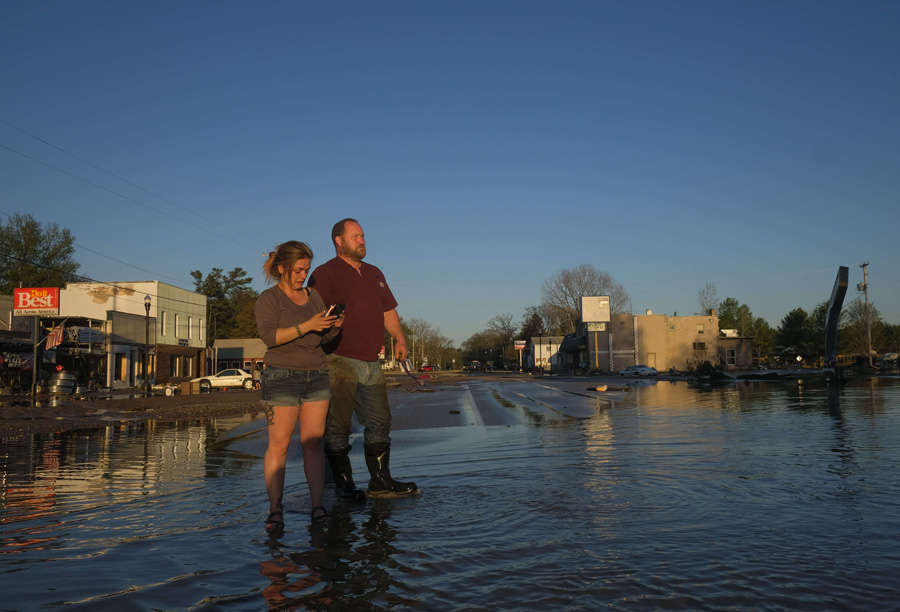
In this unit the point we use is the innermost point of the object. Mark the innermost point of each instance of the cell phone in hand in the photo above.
(335, 310)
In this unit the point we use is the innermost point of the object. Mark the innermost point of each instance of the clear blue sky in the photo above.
(483, 145)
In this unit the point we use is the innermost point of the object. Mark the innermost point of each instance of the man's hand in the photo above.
(393, 327)
(400, 350)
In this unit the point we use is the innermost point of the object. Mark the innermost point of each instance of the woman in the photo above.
(291, 319)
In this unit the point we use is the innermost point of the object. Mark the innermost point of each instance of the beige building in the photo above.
(660, 341)
(656, 340)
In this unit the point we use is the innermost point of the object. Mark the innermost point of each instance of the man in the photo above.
(357, 381)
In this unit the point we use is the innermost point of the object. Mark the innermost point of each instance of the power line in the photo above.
(178, 208)
(125, 263)
(66, 172)
(111, 258)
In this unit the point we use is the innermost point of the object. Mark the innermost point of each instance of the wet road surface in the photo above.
(536, 495)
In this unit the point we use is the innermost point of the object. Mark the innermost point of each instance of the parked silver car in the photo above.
(639, 370)
(232, 377)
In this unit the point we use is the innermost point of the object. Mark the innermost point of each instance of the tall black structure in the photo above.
(834, 315)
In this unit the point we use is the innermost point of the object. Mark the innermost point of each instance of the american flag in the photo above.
(55, 337)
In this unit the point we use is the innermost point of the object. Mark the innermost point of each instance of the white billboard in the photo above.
(595, 308)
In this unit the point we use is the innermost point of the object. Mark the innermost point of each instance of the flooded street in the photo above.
(536, 495)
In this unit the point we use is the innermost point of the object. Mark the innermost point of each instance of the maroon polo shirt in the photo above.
(366, 296)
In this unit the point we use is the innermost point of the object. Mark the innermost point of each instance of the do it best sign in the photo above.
(36, 301)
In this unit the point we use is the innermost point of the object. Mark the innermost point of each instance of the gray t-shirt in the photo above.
(276, 310)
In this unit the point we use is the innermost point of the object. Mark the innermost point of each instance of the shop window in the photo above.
(173, 366)
(121, 366)
(189, 366)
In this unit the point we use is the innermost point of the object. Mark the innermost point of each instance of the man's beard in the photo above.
(359, 253)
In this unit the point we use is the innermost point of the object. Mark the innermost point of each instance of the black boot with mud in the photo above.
(378, 459)
(342, 471)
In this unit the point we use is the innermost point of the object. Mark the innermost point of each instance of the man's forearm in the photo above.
(393, 327)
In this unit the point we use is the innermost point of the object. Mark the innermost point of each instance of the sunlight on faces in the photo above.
(297, 276)
(352, 243)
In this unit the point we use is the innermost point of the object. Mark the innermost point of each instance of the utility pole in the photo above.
(864, 287)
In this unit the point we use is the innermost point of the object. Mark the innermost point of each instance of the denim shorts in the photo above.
(286, 387)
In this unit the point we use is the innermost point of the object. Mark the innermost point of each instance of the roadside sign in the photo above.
(36, 301)
(593, 326)
(595, 308)
(520, 345)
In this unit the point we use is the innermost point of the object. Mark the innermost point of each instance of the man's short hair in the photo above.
(338, 229)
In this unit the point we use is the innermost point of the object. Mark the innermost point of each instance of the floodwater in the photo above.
(535, 496)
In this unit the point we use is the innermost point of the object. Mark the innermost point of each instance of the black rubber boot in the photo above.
(343, 477)
(378, 460)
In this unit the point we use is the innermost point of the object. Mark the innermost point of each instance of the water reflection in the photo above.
(730, 497)
(350, 560)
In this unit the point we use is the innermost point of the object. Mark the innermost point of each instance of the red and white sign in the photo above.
(36, 301)
(519, 345)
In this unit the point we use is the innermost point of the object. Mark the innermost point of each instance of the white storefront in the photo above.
(138, 315)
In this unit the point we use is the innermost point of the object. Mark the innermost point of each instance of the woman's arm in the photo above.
(266, 311)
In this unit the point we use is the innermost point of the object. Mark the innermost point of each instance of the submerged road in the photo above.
(476, 402)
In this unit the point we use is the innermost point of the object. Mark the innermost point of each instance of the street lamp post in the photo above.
(539, 365)
(147, 345)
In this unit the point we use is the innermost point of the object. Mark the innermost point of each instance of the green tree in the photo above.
(245, 315)
(734, 315)
(795, 335)
(35, 255)
(763, 340)
(226, 293)
(817, 324)
(481, 346)
(532, 324)
(891, 338)
(854, 336)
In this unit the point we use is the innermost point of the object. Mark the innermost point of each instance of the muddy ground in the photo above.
(18, 418)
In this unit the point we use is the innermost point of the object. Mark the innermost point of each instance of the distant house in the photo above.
(244, 353)
(735, 351)
(543, 352)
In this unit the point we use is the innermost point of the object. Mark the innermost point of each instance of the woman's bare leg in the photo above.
(312, 429)
(281, 429)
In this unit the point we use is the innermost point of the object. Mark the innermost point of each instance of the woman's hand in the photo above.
(318, 322)
(339, 321)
